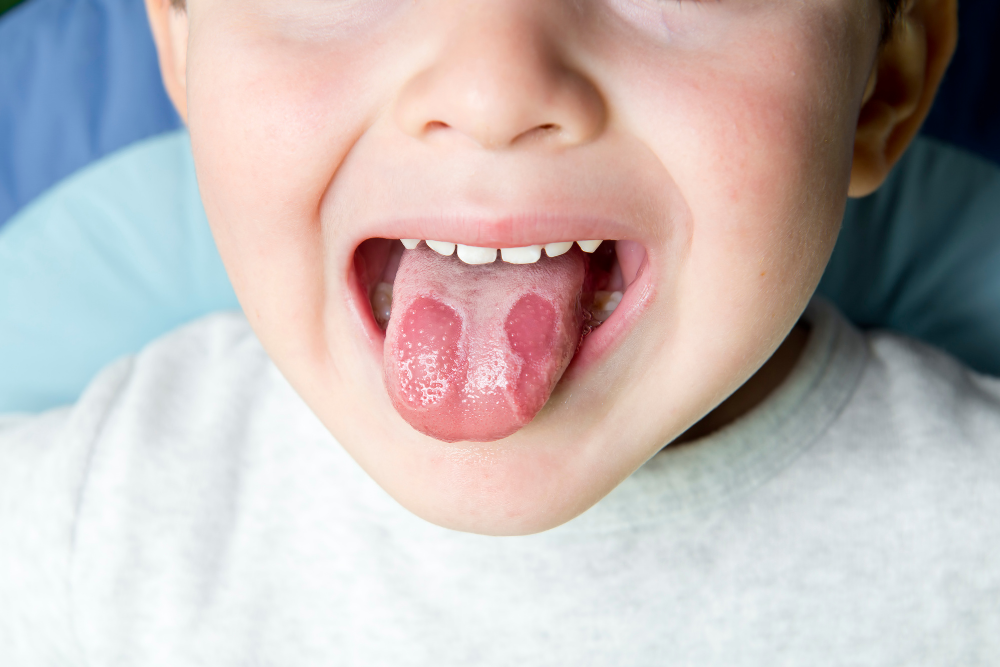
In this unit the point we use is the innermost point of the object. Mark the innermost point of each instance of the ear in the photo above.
(169, 24)
(901, 89)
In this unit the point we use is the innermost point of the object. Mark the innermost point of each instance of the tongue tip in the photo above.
(444, 425)
(451, 436)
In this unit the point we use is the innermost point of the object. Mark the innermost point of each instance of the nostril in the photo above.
(540, 132)
(436, 125)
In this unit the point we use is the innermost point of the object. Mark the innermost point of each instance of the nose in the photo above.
(499, 80)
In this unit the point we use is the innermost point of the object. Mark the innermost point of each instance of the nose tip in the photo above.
(500, 89)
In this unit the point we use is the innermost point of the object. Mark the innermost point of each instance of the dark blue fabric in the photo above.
(78, 80)
(967, 110)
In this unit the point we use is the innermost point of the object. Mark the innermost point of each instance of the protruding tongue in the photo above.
(473, 352)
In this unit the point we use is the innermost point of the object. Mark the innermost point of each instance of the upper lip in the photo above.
(498, 201)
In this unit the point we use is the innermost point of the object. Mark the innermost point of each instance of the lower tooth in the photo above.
(605, 304)
(382, 304)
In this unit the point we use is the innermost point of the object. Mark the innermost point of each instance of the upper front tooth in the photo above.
(527, 255)
(589, 246)
(410, 244)
(556, 249)
(442, 247)
(470, 254)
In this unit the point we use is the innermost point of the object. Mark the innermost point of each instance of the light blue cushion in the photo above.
(108, 260)
(121, 253)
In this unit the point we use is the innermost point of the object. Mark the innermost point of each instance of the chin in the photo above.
(520, 485)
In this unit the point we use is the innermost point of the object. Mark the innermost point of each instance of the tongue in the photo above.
(473, 352)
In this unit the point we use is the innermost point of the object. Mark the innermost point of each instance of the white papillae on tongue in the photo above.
(473, 352)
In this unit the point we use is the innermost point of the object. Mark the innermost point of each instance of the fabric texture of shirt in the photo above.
(190, 510)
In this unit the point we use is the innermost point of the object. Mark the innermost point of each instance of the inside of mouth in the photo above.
(611, 269)
(474, 344)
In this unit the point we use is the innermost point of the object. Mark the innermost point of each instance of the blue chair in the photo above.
(78, 80)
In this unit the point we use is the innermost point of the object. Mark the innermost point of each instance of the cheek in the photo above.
(768, 192)
(759, 147)
(270, 124)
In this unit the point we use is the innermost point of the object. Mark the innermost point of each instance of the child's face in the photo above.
(714, 136)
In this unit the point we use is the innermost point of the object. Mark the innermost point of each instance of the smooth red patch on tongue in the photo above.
(473, 352)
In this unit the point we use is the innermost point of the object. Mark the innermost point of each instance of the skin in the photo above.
(723, 136)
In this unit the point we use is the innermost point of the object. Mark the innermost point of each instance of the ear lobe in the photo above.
(169, 25)
(902, 87)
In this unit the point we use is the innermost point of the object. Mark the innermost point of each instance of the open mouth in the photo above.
(478, 338)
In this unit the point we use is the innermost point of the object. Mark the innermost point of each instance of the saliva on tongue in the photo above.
(472, 352)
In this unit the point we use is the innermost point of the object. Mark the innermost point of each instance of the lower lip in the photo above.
(598, 344)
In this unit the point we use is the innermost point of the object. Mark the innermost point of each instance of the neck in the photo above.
(755, 390)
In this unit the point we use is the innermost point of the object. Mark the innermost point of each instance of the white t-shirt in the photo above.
(190, 510)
